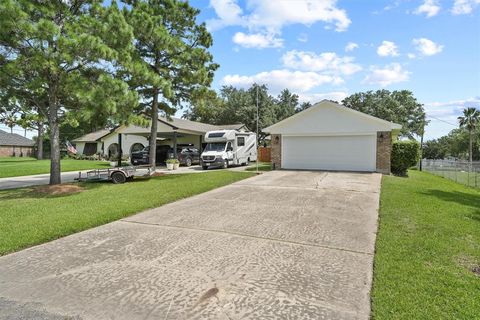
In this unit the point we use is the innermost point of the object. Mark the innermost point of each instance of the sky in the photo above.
(327, 49)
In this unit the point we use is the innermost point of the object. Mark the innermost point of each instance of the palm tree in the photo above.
(469, 121)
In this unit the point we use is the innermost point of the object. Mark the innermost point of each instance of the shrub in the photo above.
(405, 154)
(172, 161)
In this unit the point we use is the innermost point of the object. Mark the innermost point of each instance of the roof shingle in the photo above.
(13, 139)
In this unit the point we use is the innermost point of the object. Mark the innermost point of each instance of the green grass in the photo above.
(471, 179)
(15, 166)
(262, 166)
(28, 217)
(427, 245)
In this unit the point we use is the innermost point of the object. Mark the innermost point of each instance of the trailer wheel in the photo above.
(118, 177)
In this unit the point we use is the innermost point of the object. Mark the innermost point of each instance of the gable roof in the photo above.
(93, 136)
(13, 139)
(324, 104)
(236, 126)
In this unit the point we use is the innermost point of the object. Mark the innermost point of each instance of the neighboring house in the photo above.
(14, 145)
(330, 136)
(172, 132)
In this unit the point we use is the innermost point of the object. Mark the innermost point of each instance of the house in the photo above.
(131, 138)
(14, 145)
(330, 136)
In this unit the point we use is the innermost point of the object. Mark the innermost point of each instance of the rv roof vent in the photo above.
(216, 134)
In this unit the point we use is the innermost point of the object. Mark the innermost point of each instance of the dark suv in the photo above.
(142, 156)
(186, 155)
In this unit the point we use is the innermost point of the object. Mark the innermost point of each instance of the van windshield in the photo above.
(215, 146)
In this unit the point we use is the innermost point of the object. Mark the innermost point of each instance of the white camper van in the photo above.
(228, 147)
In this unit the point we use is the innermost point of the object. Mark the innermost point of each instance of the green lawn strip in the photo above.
(471, 179)
(15, 167)
(262, 166)
(28, 218)
(427, 245)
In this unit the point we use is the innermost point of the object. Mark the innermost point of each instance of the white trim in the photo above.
(336, 105)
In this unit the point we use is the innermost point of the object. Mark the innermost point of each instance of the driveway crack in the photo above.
(245, 235)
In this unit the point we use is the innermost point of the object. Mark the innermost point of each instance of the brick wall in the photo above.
(384, 149)
(8, 151)
(276, 151)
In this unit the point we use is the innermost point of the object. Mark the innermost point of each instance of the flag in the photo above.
(70, 147)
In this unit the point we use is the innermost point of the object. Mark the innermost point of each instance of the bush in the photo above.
(405, 154)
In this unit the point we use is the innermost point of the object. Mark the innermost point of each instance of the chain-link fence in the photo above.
(460, 171)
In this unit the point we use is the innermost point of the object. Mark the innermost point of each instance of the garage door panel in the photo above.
(353, 153)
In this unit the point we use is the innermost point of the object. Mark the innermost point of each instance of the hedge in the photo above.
(405, 154)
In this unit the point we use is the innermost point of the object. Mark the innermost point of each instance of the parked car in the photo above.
(143, 157)
(186, 155)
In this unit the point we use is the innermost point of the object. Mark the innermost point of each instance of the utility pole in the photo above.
(256, 162)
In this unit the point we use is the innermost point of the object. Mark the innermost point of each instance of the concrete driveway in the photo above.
(285, 244)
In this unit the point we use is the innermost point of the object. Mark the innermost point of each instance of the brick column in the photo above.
(384, 149)
(276, 152)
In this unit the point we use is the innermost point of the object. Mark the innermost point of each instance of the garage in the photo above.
(353, 153)
(330, 136)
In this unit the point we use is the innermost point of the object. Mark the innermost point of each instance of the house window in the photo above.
(240, 141)
(90, 148)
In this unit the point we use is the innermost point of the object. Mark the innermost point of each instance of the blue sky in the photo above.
(429, 47)
(330, 49)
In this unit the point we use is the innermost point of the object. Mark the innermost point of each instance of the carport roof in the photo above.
(172, 123)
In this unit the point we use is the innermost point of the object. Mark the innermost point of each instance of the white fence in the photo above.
(459, 171)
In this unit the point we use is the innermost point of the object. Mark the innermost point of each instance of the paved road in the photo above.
(34, 180)
(285, 244)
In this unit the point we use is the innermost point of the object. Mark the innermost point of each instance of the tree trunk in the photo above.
(40, 142)
(55, 177)
(153, 130)
(470, 147)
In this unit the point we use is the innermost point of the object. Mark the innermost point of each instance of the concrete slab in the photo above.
(269, 247)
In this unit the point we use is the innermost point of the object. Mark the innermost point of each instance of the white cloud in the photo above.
(228, 12)
(429, 7)
(351, 46)
(464, 6)
(427, 47)
(277, 80)
(387, 48)
(392, 73)
(257, 40)
(328, 62)
(443, 115)
(269, 17)
(317, 97)
(411, 56)
(303, 37)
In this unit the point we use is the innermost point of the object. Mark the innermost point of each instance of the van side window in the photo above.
(240, 141)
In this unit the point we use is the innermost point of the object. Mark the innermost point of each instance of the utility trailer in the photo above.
(116, 175)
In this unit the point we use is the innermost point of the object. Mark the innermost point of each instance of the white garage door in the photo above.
(351, 153)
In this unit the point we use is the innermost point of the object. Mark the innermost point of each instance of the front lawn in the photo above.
(15, 166)
(427, 250)
(262, 166)
(29, 217)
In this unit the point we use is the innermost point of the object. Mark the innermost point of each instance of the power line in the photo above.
(455, 125)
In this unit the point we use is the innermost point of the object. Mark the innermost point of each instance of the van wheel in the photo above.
(118, 177)
(188, 162)
(225, 164)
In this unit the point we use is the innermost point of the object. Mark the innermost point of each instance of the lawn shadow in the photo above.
(463, 198)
